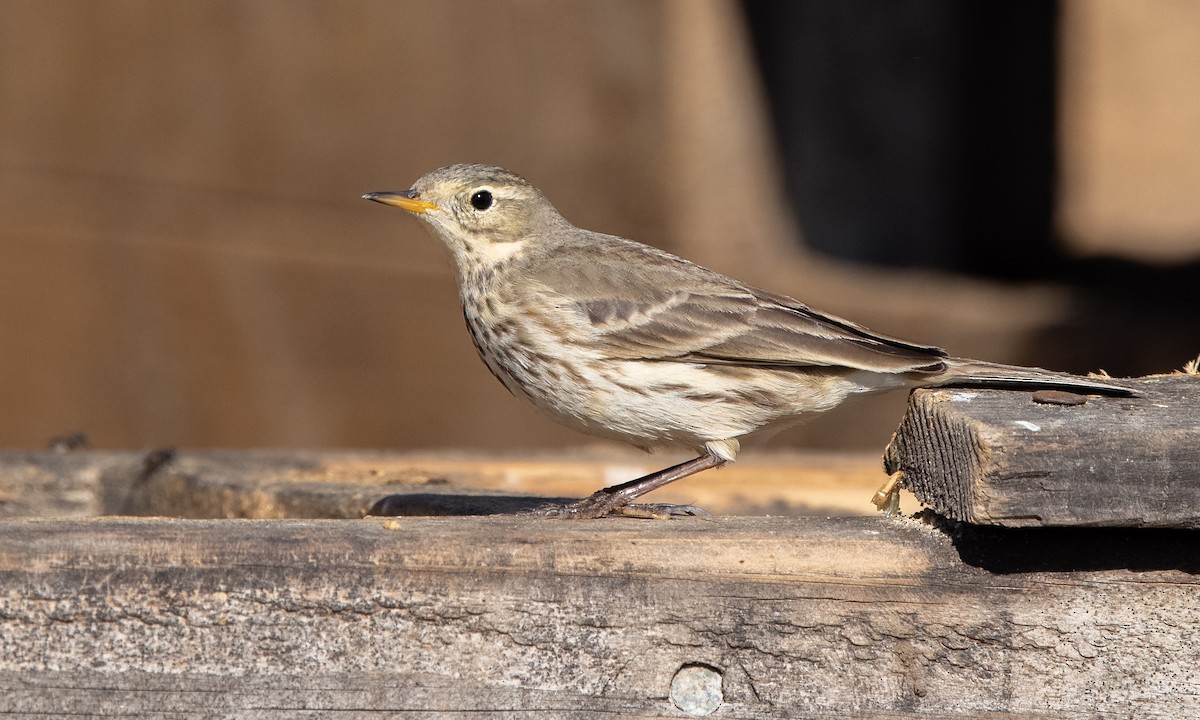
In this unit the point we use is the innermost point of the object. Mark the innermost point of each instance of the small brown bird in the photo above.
(625, 341)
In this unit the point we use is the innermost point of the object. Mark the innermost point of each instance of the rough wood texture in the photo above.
(997, 457)
(348, 484)
(440, 617)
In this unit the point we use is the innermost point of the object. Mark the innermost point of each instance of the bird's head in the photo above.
(482, 213)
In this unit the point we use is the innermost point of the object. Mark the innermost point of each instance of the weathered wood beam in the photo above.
(440, 617)
(1021, 459)
(349, 484)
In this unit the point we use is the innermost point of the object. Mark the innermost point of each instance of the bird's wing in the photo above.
(639, 303)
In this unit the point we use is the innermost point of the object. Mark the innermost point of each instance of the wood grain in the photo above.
(441, 617)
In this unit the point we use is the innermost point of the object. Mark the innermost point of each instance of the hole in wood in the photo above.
(696, 689)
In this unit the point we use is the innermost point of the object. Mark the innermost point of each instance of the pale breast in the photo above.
(522, 348)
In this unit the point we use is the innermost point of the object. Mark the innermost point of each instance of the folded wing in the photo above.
(661, 308)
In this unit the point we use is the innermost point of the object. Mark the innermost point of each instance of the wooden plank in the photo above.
(349, 484)
(997, 457)
(58, 484)
(440, 617)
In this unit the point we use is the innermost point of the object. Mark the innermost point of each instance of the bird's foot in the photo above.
(887, 497)
(605, 504)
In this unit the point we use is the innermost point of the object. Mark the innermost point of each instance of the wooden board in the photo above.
(349, 484)
(996, 457)
(504, 617)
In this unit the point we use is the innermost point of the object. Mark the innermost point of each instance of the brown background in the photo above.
(185, 260)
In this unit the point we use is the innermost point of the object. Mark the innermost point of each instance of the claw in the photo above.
(604, 504)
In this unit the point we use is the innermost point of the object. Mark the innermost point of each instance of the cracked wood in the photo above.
(435, 617)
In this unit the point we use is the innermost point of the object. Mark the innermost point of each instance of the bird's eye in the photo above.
(481, 200)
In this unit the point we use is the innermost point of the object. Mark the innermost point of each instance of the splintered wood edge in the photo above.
(941, 457)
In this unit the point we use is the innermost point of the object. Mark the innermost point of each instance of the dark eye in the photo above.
(481, 200)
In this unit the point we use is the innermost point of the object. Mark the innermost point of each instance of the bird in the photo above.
(625, 341)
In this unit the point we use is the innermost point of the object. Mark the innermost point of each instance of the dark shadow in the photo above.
(437, 504)
(916, 132)
(1022, 550)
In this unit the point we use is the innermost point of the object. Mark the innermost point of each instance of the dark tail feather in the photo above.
(977, 373)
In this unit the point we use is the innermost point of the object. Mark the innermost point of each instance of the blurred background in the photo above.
(185, 260)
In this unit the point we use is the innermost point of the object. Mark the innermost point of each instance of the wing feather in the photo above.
(643, 304)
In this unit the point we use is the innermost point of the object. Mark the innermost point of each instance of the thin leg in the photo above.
(618, 497)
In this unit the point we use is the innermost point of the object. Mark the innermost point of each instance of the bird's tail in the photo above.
(977, 373)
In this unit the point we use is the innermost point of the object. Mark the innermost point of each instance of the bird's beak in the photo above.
(405, 200)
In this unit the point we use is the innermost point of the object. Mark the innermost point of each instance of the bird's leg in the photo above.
(618, 498)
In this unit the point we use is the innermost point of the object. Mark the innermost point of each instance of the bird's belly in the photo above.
(644, 402)
(673, 403)
(648, 403)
